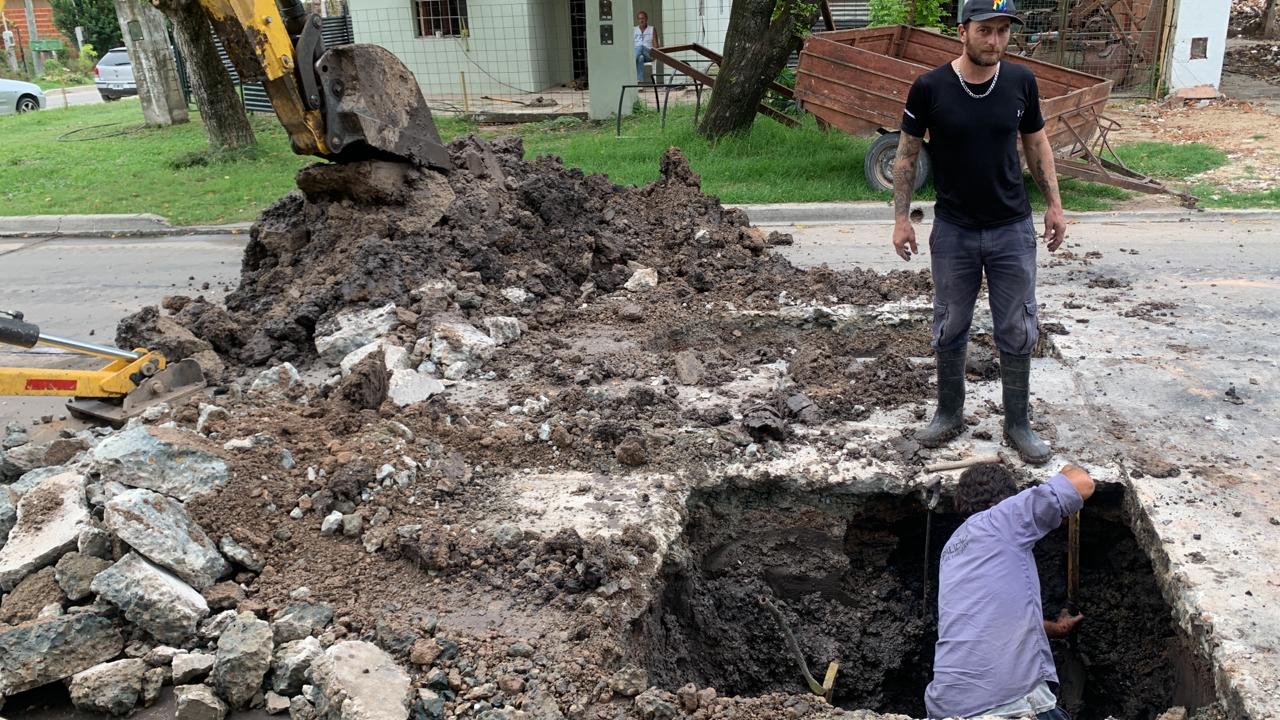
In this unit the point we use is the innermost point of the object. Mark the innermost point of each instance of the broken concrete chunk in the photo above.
(455, 343)
(629, 681)
(409, 387)
(290, 664)
(642, 280)
(280, 377)
(332, 523)
(113, 687)
(153, 681)
(75, 571)
(394, 356)
(160, 529)
(191, 667)
(689, 369)
(355, 680)
(152, 598)
(245, 557)
(300, 620)
(19, 461)
(166, 461)
(502, 329)
(8, 513)
(95, 542)
(276, 704)
(337, 336)
(48, 650)
(244, 657)
(198, 702)
(31, 597)
(48, 524)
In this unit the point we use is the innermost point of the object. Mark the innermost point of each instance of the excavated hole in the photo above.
(847, 574)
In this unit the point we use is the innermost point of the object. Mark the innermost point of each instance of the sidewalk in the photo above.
(859, 213)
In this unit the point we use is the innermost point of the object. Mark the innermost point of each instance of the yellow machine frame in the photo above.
(114, 380)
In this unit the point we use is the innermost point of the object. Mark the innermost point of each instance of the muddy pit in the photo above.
(848, 575)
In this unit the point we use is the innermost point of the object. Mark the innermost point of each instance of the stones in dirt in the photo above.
(36, 592)
(355, 680)
(410, 387)
(191, 667)
(44, 651)
(167, 461)
(763, 423)
(459, 347)
(18, 461)
(632, 451)
(49, 519)
(629, 681)
(160, 529)
(244, 657)
(113, 687)
(642, 280)
(350, 330)
(8, 513)
(280, 377)
(504, 330)
(198, 702)
(246, 557)
(366, 384)
(689, 369)
(300, 620)
(290, 664)
(152, 598)
(75, 571)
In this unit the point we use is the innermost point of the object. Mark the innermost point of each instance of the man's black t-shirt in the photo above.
(974, 142)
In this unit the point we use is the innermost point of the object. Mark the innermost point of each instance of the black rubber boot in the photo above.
(1015, 374)
(948, 419)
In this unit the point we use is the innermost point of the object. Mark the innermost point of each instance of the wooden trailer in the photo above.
(857, 81)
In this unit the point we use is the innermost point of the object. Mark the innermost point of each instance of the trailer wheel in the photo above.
(878, 166)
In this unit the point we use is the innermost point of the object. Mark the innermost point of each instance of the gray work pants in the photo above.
(1007, 255)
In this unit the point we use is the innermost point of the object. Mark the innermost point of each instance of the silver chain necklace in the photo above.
(971, 93)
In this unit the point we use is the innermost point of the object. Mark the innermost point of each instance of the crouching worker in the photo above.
(993, 656)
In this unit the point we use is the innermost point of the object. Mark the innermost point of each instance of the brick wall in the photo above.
(15, 12)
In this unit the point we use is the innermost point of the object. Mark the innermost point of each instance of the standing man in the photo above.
(993, 656)
(974, 109)
(646, 39)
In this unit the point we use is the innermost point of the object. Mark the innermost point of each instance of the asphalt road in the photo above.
(81, 95)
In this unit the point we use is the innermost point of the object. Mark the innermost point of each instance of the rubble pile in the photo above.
(452, 415)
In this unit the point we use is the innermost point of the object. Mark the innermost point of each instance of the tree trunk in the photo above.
(756, 48)
(154, 69)
(224, 117)
(1271, 20)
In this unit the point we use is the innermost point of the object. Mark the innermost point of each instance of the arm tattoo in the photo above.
(904, 173)
(1040, 163)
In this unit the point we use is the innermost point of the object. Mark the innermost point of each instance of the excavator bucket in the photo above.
(374, 109)
(171, 385)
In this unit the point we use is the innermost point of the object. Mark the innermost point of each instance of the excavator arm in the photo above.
(345, 103)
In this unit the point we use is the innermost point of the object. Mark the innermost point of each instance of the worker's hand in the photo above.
(1055, 228)
(1079, 479)
(1063, 626)
(904, 236)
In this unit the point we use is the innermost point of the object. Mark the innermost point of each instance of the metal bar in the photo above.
(666, 58)
(84, 348)
(1073, 557)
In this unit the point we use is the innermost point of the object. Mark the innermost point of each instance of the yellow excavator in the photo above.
(344, 104)
(131, 382)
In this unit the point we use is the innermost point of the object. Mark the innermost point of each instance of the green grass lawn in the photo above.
(109, 163)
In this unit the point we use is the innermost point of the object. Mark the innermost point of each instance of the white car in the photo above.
(114, 75)
(19, 97)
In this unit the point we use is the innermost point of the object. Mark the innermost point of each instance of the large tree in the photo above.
(224, 117)
(1271, 20)
(97, 17)
(762, 34)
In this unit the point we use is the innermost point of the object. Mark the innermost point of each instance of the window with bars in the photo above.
(439, 18)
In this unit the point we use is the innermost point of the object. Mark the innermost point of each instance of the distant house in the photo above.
(15, 15)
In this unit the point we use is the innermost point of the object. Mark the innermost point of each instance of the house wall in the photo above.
(15, 12)
(515, 46)
(1198, 19)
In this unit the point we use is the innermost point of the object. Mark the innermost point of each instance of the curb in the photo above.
(143, 225)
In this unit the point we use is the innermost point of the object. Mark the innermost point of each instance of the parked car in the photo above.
(19, 97)
(113, 75)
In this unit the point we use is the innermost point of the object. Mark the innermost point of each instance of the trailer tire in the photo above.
(878, 166)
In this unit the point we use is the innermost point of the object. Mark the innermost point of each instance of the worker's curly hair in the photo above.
(982, 487)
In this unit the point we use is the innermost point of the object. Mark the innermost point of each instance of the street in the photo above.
(80, 95)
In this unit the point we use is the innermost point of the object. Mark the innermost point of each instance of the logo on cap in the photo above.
(999, 4)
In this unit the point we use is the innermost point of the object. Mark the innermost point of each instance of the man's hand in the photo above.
(1080, 479)
(1055, 228)
(1063, 626)
(904, 236)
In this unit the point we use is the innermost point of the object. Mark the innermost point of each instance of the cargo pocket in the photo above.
(1031, 327)
(939, 323)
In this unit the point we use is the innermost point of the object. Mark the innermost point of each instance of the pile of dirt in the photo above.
(1259, 60)
(1246, 18)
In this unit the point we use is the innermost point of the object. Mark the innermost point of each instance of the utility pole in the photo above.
(154, 69)
(37, 59)
(8, 46)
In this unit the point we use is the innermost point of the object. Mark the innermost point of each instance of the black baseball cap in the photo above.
(987, 9)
